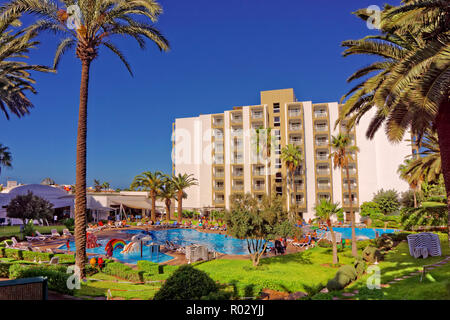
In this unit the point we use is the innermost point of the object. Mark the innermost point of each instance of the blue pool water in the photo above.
(214, 241)
(131, 258)
(367, 232)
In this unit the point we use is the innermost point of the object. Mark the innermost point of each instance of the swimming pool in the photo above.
(366, 232)
(214, 241)
(131, 258)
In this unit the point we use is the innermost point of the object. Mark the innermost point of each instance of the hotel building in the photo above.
(239, 151)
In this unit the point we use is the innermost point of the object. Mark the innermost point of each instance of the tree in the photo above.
(293, 158)
(257, 222)
(342, 154)
(15, 79)
(29, 207)
(182, 182)
(415, 94)
(86, 28)
(167, 193)
(150, 181)
(325, 210)
(387, 201)
(5, 157)
(97, 185)
(48, 182)
(413, 181)
(106, 186)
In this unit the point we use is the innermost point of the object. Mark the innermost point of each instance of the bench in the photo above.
(24, 289)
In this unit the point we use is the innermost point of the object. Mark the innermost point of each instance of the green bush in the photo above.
(384, 242)
(29, 229)
(400, 236)
(123, 271)
(149, 267)
(4, 269)
(65, 258)
(360, 266)
(361, 245)
(56, 277)
(344, 276)
(372, 254)
(31, 256)
(69, 223)
(187, 283)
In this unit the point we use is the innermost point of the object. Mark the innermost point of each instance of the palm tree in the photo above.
(97, 185)
(341, 144)
(5, 157)
(106, 186)
(293, 158)
(182, 182)
(168, 193)
(15, 78)
(415, 95)
(325, 210)
(150, 181)
(414, 183)
(86, 28)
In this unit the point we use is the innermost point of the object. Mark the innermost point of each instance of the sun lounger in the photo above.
(16, 244)
(31, 239)
(424, 244)
(43, 236)
(67, 233)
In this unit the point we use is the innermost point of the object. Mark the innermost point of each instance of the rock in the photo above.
(296, 295)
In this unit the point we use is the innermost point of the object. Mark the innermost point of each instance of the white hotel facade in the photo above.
(220, 151)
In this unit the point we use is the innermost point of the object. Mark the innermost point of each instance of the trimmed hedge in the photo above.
(344, 276)
(4, 269)
(372, 254)
(56, 275)
(17, 254)
(149, 267)
(123, 271)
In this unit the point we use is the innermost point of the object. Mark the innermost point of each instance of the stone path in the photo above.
(349, 295)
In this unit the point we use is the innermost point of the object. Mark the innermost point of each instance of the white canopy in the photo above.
(133, 203)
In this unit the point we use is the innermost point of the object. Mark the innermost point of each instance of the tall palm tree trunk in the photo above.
(180, 206)
(333, 239)
(352, 214)
(168, 203)
(415, 198)
(153, 196)
(80, 185)
(443, 131)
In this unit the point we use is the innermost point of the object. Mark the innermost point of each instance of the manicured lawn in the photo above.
(14, 231)
(118, 290)
(288, 273)
(398, 262)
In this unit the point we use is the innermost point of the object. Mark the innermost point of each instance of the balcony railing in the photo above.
(321, 142)
(238, 173)
(294, 113)
(324, 172)
(236, 132)
(218, 149)
(218, 187)
(321, 128)
(236, 119)
(218, 135)
(295, 127)
(219, 200)
(218, 161)
(298, 201)
(322, 157)
(352, 186)
(219, 174)
(237, 187)
(319, 114)
(259, 172)
(323, 186)
(354, 200)
(296, 142)
(257, 115)
(298, 185)
(218, 122)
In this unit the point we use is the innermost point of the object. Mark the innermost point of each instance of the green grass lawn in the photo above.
(14, 231)
(127, 291)
(398, 262)
(288, 273)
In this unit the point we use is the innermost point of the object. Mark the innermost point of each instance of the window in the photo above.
(276, 121)
(279, 190)
(276, 107)
(278, 163)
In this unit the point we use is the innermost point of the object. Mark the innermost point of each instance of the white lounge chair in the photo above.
(55, 234)
(43, 236)
(67, 233)
(424, 244)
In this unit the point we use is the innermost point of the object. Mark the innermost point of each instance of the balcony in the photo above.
(236, 118)
(323, 171)
(299, 185)
(219, 200)
(236, 132)
(353, 186)
(218, 187)
(323, 186)
(320, 114)
(218, 160)
(259, 171)
(347, 202)
(237, 187)
(257, 115)
(322, 157)
(298, 201)
(295, 126)
(257, 125)
(218, 135)
(293, 113)
(322, 142)
(218, 148)
(219, 174)
(237, 172)
(321, 127)
(218, 122)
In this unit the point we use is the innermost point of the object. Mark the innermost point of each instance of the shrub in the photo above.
(123, 271)
(359, 265)
(400, 236)
(343, 277)
(4, 269)
(31, 256)
(56, 276)
(384, 242)
(65, 258)
(149, 267)
(28, 229)
(372, 254)
(187, 283)
(69, 223)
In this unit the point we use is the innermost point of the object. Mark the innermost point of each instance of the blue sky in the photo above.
(223, 54)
